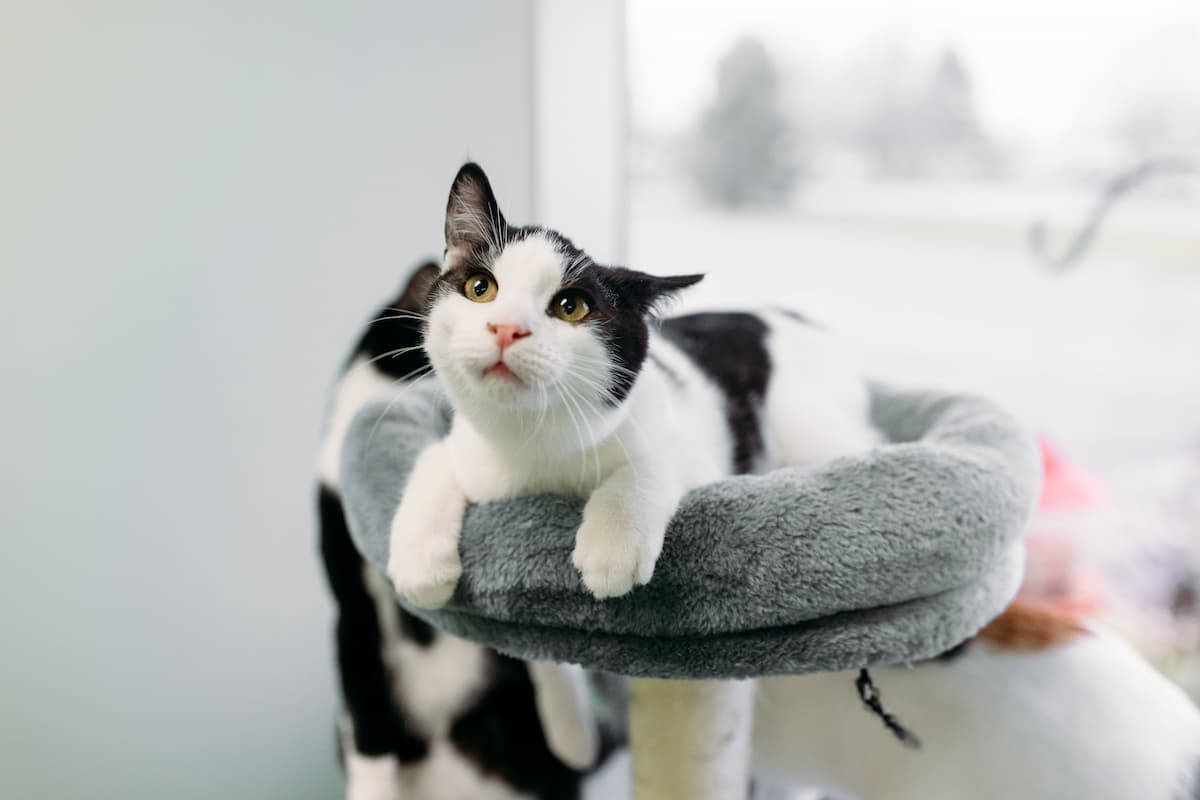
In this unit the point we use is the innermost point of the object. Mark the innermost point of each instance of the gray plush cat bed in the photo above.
(890, 557)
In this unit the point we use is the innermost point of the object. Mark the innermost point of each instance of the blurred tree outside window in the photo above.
(743, 152)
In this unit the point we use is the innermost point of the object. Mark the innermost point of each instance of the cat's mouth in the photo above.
(502, 371)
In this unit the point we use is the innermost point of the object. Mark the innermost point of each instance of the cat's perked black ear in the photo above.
(645, 292)
(473, 216)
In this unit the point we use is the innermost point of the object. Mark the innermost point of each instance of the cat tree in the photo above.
(889, 557)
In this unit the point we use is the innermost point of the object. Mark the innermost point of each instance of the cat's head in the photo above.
(522, 319)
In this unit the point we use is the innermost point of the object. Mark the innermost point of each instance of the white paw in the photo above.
(372, 777)
(425, 582)
(423, 562)
(612, 558)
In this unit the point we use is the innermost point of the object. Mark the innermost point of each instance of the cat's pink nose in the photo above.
(507, 334)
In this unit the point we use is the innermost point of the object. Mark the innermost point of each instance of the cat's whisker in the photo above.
(397, 352)
(413, 379)
(608, 364)
(616, 436)
(606, 392)
(544, 404)
(397, 317)
(586, 412)
(537, 423)
(579, 436)
(595, 384)
(586, 442)
(570, 393)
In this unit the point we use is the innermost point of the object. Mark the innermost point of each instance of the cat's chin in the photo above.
(502, 372)
(500, 384)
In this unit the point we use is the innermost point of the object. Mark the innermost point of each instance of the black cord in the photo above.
(874, 702)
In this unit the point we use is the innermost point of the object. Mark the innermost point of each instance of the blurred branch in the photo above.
(1116, 188)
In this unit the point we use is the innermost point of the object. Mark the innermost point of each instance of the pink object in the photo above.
(1065, 486)
(1055, 573)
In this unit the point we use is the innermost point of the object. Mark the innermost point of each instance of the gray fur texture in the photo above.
(892, 556)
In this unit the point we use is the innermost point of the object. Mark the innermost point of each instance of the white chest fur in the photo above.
(670, 431)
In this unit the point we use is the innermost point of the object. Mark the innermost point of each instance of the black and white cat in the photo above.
(560, 384)
(1036, 707)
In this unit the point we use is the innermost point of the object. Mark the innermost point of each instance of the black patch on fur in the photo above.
(731, 349)
(671, 374)
(622, 299)
(502, 735)
(414, 628)
(379, 727)
(393, 338)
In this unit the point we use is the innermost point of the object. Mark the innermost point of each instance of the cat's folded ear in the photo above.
(647, 293)
(473, 217)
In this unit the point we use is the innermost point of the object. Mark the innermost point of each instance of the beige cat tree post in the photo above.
(690, 739)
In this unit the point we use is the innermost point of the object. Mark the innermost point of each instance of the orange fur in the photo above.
(1025, 626)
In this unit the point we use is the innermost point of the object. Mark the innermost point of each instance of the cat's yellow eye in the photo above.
(570, 306)
(480, 288)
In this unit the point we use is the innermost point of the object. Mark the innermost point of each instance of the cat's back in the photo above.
(730, 347)
(792, 392)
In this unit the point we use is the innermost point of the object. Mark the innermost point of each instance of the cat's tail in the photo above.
(564, 706)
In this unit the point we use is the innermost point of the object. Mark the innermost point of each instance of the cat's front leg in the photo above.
(624, 524)
(423, 562)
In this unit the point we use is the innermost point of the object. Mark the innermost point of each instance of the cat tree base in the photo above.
(690, 738)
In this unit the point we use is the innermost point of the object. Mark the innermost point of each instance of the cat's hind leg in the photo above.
(373, 736)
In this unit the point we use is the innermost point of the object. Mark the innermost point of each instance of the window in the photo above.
(915, 175)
